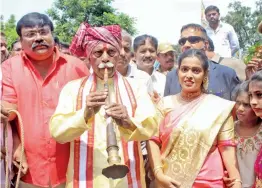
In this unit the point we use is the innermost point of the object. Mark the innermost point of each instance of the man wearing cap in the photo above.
(81, 111)
(166, 57)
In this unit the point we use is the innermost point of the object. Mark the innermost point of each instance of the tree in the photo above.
(245, 22)
(69, 14)
(9, 28)
(177, 48)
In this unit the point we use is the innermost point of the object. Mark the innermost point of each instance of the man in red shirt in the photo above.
(32, 82)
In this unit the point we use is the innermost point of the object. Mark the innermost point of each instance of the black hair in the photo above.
(56, 39)
(141, 40)
(211, 47)
(13, 43)
(257, 76)
(33, 19)
(211, 7)
(194, 53)
(196, 27)
(200, 55)
(242, 87)
(64, 45)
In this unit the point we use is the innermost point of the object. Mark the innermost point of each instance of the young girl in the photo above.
(255, 95)
(248, 132)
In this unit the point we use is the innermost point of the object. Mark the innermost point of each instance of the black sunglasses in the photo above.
(192, 40)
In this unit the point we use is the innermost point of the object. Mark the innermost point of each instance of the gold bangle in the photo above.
(157, 168)
(238, 180)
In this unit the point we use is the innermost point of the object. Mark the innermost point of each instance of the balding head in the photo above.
(125, 53)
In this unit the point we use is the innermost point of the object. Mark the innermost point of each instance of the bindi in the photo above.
(105, 47)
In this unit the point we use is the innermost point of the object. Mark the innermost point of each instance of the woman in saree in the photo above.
(195, 144)
(255, 95)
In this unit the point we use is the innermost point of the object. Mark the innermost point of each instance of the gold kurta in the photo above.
(68, 124)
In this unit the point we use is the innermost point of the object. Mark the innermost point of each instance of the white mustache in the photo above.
(105, 65)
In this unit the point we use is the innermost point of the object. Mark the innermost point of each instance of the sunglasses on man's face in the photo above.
(192, 40)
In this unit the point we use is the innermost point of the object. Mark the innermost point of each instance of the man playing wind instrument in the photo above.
(80, 114)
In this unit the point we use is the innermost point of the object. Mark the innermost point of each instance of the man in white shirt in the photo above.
(123, 65)
(145, 49)
(222, 34)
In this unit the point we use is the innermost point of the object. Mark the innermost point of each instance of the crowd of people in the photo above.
(179, 120)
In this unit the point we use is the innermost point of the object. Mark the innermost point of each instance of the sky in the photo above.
(160, 18)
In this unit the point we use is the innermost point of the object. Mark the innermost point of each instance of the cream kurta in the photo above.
(68, 124)
(247, 151)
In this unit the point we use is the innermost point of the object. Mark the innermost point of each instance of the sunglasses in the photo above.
(192, 40)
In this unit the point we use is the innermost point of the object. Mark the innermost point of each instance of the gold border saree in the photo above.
(187, 134)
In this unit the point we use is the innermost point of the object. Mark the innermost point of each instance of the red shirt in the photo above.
(36, 100)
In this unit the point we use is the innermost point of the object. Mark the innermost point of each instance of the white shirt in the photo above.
(157, 83)
(133, 72)
(224, 38)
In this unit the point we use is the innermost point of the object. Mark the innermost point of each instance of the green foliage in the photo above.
(177, 48)
(245, 22)
(9, 28)
(69, 14)
(252, 51)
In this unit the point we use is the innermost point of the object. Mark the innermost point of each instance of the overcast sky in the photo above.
(160, 18)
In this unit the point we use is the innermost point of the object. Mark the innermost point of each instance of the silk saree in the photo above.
(189, 138)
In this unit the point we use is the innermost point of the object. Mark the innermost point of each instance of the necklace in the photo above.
(190, 96)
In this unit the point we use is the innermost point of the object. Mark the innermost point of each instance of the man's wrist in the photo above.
(130, 125)
(88, 113)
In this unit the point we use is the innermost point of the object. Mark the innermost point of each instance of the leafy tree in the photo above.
(245, 22)
(68, 14)
(9, 28)
(177, 48)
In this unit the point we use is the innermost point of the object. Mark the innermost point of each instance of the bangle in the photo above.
(157, 168)
(238, 180)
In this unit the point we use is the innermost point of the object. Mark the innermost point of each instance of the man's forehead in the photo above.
(126, 43)
(37, 27)
(126, 39)
(17, 44)
(102, 45)
(211, 12)
(191, 32)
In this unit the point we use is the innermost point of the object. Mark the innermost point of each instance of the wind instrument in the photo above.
(115, 170)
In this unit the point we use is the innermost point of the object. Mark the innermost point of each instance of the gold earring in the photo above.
(205, 83)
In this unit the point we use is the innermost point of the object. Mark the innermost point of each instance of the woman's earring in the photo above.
(205, 83)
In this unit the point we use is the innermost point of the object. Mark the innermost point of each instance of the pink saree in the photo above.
(190, 136)
(258, 170)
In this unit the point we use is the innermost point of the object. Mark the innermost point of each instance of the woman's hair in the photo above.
(257, 76)
(243, 87)
(199, 54)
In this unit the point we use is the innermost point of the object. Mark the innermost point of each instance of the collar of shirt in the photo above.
(130, 71)
(220, 25)
(158, 69)
(215, 58)
(59, 59)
